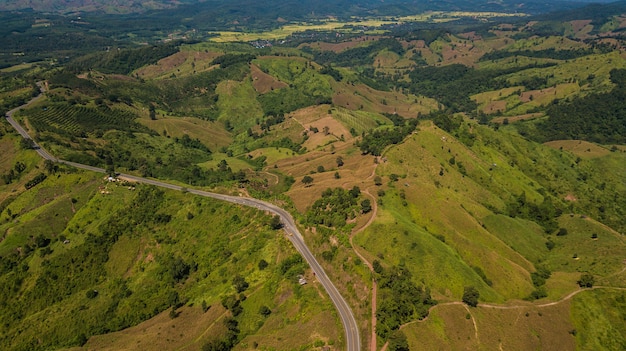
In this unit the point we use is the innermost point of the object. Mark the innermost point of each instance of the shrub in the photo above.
(470, 296)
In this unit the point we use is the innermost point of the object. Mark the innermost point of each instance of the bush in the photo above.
(90, 294)
(586, 280)
(470, 296)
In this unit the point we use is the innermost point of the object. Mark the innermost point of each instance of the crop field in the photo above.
(76, 120)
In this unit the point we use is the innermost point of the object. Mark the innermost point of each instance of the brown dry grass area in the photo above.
(318, 117)
(464, 53)
(355, 171)
(7, 156)
(210, 133)
(186, 332)
(166, 65)
(524, 328)
(263, 82)
(335, 131)
(470, 36)
(339, 47)
(578, 25)
(420, 44)
(362, 97)
(494, 107)
(7, 161)
(580, 148)
(512, 119)
(537, 95)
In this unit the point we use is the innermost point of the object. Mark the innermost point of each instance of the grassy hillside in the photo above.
(101, 257)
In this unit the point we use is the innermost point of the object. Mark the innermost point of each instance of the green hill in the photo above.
(411, 156)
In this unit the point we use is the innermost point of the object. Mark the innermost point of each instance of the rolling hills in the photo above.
(421, 163)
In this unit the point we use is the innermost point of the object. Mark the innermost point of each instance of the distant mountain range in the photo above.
(287, 7)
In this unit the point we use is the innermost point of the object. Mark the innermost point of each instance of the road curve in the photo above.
(353, 340)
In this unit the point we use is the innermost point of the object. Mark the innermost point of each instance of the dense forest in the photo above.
(600, 118)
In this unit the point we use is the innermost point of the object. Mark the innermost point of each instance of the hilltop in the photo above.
(427, 165)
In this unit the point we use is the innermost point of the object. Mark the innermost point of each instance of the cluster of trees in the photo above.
(551, 53)
(335, 207)
(401, 300)
(81, 267)
(14, 173)
(544, 214)
(188, 142)
(375, 142)
(539, 278)
(600, 118)
(452, 85)
(308, 88)
(36, 180)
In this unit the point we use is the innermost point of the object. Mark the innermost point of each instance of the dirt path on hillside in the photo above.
(502, 307)
(368, 263)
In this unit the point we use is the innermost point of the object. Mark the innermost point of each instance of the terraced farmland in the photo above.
(75, 120)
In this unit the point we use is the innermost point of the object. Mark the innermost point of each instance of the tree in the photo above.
(264, 311)
(366, 206)
(152, 112)
(339, 161)
(586, 280)
(19, 167)
(240, 284)
(49, 166)
(263, 264)
(306, 180)
(398, 341)
(378, 181)
(276, 223)
(26, 143)
(470, 296)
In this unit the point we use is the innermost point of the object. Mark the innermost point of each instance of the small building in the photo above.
(301, 280)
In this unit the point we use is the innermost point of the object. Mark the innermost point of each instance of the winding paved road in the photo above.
(353, 340)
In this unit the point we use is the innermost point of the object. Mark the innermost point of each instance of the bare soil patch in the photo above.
(495, 106)
(512, 119)
(175, 61)
(362, 97)
(263, 82)
(577, 25)
(339, 47)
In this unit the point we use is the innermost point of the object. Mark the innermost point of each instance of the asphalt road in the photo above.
(353, 341)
